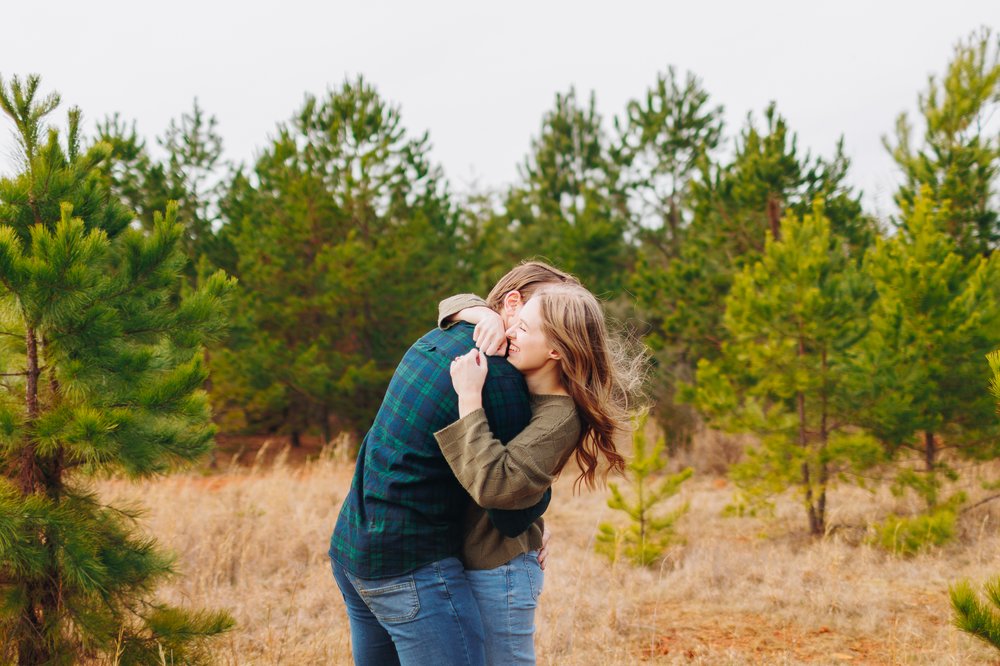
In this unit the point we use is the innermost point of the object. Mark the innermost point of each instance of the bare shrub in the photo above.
(712, 452)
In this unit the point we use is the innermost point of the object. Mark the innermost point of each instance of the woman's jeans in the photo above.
(507, 598)
(426, 618)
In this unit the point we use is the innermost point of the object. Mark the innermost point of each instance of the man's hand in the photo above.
(543, 552)
(468, 374)
(490, 334)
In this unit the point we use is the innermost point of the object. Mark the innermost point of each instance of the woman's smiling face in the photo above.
(528, 348)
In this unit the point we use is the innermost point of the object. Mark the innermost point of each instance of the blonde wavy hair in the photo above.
(602, 371)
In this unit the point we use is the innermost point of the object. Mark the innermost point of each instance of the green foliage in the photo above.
(916, 380)
(993, 358)
(975, 617)
(345, 236)
(735, 208)
(971, 615)
(790, 318)
(188, 176)
(958, 159)
(103, 365)
(171, 636)
(728, 213)
(908, 535)
(647, 535)
(568, 207)
(926, 485)
(916, 376)
(666, 140)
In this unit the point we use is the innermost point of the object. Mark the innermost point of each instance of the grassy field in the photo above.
(253, 538)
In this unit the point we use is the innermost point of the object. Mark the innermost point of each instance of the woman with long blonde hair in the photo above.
(581, 385)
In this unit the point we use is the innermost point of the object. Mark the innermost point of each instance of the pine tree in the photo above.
(193, 179)
(102, 375)
(569, 208)
(189, 175)
(665, 141)
(735, 209)
(346, 238)
(481, 222)
(790, 319)
(959, 157)
(647, 535)
(971, 615)
(915, 373)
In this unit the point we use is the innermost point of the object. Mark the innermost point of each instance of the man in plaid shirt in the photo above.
(394, 547)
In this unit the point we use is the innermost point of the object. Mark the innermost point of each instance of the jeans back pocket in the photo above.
(390, 601)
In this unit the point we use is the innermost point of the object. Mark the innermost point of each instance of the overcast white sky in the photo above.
(479, 76)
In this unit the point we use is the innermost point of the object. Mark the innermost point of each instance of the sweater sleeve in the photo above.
(517, 475)
(453, 305)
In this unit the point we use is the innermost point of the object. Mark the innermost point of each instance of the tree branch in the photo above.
(979, 503)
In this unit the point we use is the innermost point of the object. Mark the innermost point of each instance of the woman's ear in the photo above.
(554, 355)
(512, 302)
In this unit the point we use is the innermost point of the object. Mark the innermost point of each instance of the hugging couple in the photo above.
(436, 549)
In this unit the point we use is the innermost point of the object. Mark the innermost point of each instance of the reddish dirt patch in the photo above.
(759, 640)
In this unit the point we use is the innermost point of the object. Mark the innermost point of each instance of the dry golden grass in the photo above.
(739, 591)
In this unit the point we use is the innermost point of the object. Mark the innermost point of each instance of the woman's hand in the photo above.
(468, 374)
(543, 552)
(490, 334)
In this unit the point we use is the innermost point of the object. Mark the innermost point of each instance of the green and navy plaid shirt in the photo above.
(405, 507)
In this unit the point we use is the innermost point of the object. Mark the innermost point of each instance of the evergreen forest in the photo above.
(156, 296)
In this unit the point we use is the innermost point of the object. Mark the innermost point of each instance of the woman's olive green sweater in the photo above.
(505, 477)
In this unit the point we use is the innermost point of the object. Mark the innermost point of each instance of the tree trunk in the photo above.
(208, 380)
(29, 652)
(815, 506)
(815, 519)
(774, 216)
(29, 474)
(53, 469)
(814, 509)
(824, 437)
(821, 504)
(40, 595)
(674, 218)
(930, 450)
(327, 431)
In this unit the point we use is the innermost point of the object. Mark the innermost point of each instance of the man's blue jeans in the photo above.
(427, 617)
(507, 598)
